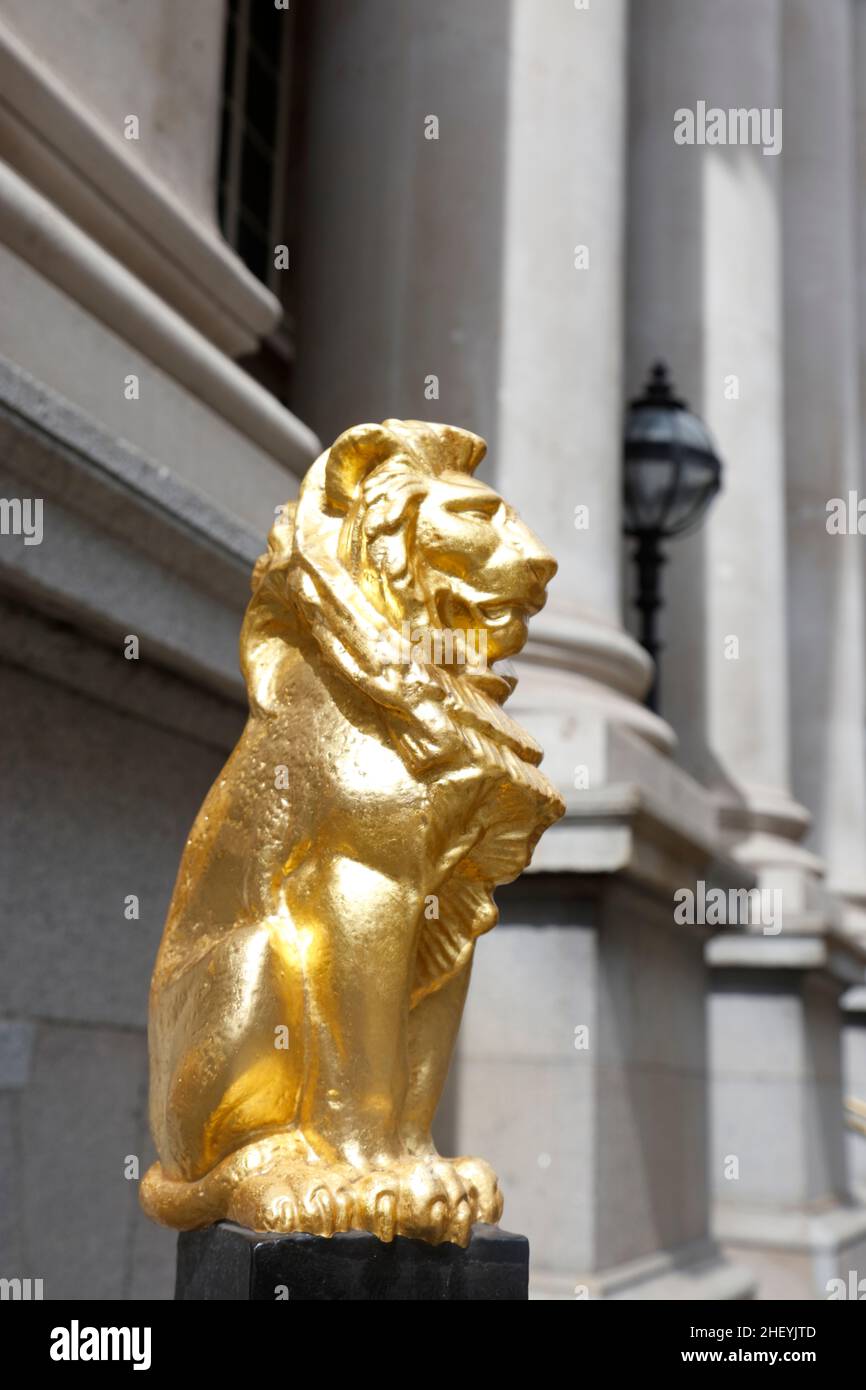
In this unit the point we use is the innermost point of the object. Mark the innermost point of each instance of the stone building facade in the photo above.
(227, 232)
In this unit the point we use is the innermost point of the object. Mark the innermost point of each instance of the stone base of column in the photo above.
(698, 1272)
(228, 1263)
(798, 1254)
(589, 1093)
(854, 1086)
(778, 1158)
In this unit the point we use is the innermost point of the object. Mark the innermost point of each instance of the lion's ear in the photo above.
(351, 457)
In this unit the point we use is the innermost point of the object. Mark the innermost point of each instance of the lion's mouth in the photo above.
(491, 615)
(501, 613)
(497, 614)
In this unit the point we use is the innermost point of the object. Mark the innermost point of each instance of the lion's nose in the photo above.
(543, 567)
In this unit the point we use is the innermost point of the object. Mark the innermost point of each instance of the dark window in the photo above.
(257, 196)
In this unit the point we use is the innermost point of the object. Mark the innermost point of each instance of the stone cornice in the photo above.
(642, 816)
(831, 953)
(35, 231)
(60, 147)
(162, 561)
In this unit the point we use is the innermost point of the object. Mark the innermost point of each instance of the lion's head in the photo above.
(431, 546)
(393, 537)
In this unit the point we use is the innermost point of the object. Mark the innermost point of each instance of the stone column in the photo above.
(483, 284)
(611, 1178)
(705, 291)
(823, 442)
(823, 446)
(561, 367)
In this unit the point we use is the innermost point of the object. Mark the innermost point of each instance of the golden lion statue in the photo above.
(316, 956)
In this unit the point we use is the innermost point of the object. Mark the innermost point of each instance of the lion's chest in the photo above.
(347, 790)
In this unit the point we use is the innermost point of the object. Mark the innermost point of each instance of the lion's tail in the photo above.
(188, 1205)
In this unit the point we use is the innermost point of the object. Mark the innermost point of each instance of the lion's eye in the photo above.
(480, 511)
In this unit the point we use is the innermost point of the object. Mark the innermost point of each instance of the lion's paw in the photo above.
(483, 1188)
(305, 1197)
(421, 1198)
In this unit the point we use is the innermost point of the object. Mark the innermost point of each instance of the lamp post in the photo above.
(671, 475)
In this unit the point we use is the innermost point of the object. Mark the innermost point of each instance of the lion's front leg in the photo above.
(433, 1027)
(360, 929)
(355, 924)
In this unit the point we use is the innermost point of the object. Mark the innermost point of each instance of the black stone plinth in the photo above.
(229, 1263)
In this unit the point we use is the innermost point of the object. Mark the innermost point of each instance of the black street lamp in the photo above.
(671, 475)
